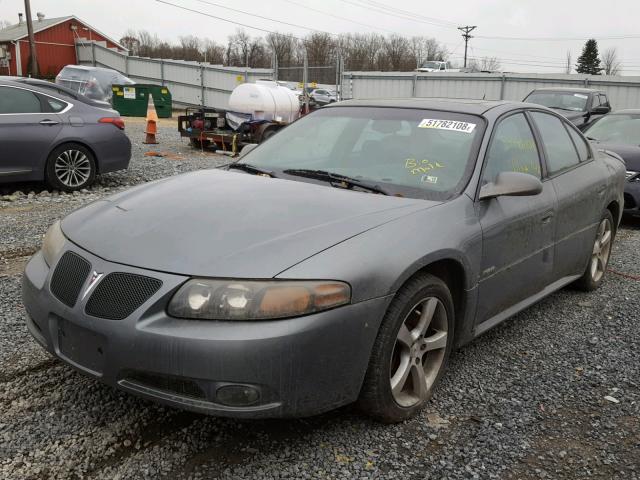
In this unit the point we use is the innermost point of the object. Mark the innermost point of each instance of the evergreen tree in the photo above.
(589, 61)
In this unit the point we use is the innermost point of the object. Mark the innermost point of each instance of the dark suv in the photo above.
(581, 106)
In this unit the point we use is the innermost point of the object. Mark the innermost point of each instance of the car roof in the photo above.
(89, 68)
(51, 89)
(567, 89)
(459, 105)
(627, 111)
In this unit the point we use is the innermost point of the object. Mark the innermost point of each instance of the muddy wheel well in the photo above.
(452, 273)
(614, 208)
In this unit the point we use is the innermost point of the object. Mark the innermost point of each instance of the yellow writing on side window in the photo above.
(419, 167)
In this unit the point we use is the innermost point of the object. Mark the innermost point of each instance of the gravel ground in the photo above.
(553, 393)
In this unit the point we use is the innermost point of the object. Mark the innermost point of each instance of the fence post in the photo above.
(93, 53)
(414, 84)
(586, 82)
(202, 84)
(503, 81)
(162, 72)
(126, 65)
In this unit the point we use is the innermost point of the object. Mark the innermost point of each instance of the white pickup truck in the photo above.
(436, 66)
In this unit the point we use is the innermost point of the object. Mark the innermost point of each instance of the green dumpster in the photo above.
(132, 100)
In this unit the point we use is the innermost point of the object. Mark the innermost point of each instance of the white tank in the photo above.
(265, 100)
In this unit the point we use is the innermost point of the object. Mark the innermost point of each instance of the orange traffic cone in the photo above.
(152, 123)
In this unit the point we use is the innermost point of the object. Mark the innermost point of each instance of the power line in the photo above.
(262, 17)
(376, 27)
(561, 39)
(199, 12)
(408, 13)
(370, 7)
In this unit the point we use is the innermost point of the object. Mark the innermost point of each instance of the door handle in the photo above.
(546, 218)
(49, 122)
(601, 190)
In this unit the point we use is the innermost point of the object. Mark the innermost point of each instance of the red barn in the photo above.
(55, 44)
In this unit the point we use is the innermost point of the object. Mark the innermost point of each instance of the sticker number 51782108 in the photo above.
(447, 125)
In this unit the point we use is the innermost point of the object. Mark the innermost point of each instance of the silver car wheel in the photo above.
(72, 168)
(419, 352)
(601, 250)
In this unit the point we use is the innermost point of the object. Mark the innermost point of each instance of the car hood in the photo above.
(570, 115)
(629, 153)
(227, 224)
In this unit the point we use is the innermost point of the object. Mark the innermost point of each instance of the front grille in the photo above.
(68, 278)
(120, 294)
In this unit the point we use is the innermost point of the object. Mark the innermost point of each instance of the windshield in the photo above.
(575, 102)
(435, 65)
(407, 152)
(619, 128)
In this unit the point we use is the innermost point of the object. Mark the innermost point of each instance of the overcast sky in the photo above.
(557, 19)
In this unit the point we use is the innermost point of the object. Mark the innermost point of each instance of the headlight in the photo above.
(253, 300)
(53, 242)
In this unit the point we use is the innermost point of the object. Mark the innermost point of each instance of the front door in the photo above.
(517, 232)
(27, 132)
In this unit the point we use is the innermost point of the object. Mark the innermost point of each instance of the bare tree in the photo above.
(484, 64)
(213, 52)
(396, 54)
(569, 66)
(610, 63)
(4, 24)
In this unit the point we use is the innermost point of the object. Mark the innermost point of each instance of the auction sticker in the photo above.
(447, 125)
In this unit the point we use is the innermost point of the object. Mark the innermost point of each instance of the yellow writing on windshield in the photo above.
(420, 167)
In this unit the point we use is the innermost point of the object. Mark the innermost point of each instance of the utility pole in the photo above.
(466, 31)
(32, 40)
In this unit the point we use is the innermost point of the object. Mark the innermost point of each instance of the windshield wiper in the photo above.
(246, 167)
(336, 178)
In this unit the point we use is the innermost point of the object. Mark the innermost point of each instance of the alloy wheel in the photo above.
(72, 168)
(419, 352)
(601, 250)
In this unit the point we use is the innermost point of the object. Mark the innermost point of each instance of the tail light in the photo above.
(116, 121)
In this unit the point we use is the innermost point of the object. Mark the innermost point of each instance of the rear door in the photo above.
(517, 232)
(28, 127)
(579, 182)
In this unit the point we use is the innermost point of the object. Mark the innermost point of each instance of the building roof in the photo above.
(568, 90)
(19, 30)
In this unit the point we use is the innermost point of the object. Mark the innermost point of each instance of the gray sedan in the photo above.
(343, 260)
(50, 133)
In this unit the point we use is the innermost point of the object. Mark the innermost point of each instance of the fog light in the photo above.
(237, 395)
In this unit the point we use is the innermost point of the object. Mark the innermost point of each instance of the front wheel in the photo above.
(411, 350)
(70, 167)
(600, 254)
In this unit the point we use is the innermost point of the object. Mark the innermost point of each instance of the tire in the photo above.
(268, 133)
(70, 167)
(593, 275)
(393, 359)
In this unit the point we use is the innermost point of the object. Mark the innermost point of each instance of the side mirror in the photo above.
(511, 184)
(247, 148)
(601, 109)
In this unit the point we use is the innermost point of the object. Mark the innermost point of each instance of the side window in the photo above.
(595, 102)
(604, 100)
(561, 153)
(580, 143)
(17, 100)
(56, 105)
(513, 149)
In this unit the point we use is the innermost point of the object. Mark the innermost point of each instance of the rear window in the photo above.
(17, 100)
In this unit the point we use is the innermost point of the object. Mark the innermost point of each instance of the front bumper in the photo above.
(632, 198)
(300, 366)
